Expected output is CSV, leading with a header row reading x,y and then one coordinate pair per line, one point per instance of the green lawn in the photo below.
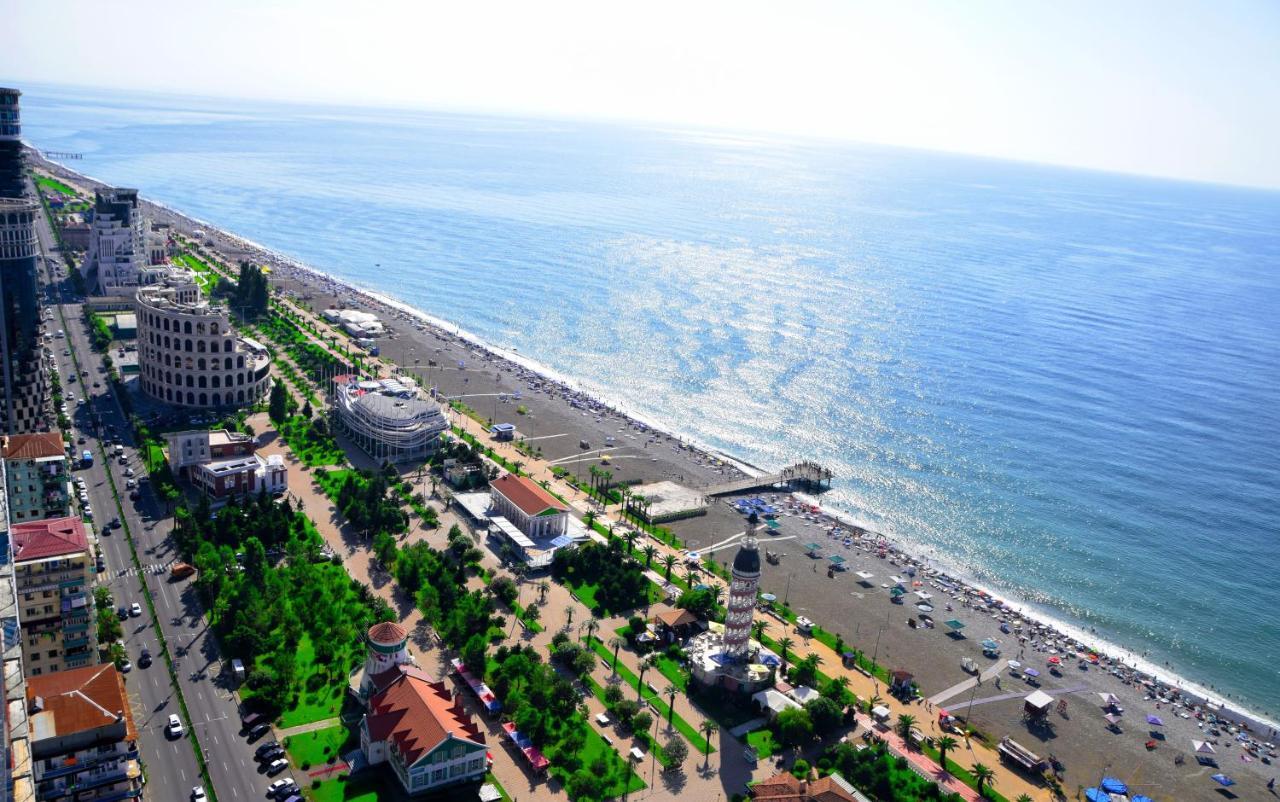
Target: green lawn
x,y
316,747
366,788
313,450
762,741
312,705
673,671
154,457
586,593
54,185
331,481
594,746
660,706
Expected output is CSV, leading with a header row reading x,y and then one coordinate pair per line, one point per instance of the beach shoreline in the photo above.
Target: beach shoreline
x,y
304,273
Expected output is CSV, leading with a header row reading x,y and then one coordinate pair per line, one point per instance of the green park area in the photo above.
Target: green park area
x,y
54,185
318,747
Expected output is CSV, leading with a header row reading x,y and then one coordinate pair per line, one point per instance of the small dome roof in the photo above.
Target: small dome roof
x,y
387,633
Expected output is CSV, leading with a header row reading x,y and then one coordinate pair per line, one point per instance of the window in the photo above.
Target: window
x,y
436,776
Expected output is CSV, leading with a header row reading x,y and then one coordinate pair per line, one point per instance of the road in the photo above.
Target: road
x,y
170,763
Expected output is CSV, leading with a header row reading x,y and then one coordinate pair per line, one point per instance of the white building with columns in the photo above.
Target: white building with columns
x,y
532,510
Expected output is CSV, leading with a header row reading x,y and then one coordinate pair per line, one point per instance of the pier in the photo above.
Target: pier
x,y
807,475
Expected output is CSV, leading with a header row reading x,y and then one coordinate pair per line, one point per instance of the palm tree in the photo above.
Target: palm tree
x,y
543,587
671,703
589,518
717,593
649,551
646,663
615,643
568,612
631,539
874,701
945,744
784,644
708,728
757,629
669,562
983,776
590,628
905,722
1023,798
691,575
842,683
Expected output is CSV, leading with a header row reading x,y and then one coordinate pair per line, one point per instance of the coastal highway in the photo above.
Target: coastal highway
x,y
170,764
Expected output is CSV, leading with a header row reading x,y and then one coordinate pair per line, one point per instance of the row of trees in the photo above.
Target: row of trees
x,y
619,582
367,503
251,293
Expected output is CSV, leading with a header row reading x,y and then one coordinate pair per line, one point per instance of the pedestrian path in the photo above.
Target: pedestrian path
x,y
315,725
942,697
152,568
745,727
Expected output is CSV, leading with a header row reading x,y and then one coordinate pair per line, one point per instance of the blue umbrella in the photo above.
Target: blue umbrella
x,y
990,644
1140,798
1095,795
1154,721
1113,786
1223,780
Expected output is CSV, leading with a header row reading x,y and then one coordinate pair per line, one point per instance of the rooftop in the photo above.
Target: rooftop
x,y
417,714
387,632
784,787
527,495
52,537
78,699
33,446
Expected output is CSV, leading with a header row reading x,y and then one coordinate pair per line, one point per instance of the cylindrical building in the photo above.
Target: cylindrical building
x,y
188,354
388,418
742,595
388,648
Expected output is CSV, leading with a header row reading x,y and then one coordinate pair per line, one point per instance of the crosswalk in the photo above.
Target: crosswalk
x,y
151,568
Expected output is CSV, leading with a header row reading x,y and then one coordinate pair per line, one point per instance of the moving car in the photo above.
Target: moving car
x,y
197,794
174,728
135,610
144,659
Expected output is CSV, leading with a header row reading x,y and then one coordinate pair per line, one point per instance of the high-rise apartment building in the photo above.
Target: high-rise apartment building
x,y
52,573
22,381
117,241
37,476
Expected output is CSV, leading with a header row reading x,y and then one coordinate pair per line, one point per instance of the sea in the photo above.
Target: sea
x,y
1063,383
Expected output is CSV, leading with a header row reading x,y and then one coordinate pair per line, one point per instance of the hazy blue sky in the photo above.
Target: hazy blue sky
x,y
1172,88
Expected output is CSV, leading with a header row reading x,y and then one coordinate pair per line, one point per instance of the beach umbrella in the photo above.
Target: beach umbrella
x,y
1031,672
1109,699
1112,718
769,597
1113,786
1154,721
1015,665
1203,748
1055,661
1096,795
955,625
1223,780
990,644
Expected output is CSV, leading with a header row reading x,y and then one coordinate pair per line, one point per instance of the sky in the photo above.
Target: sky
x,y
1176,89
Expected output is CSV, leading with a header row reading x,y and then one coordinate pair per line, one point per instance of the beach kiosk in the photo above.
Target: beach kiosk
x,y
1036,706
881,714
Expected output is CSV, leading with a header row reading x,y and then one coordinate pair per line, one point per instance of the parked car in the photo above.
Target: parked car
x,y
258,731
174,727
271,755
266,747
276,766
277,787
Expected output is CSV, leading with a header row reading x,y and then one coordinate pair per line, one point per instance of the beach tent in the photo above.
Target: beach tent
x,y
1113,786
922,596
864,577
895,592
1203,748
812,548
1112,719
1223,780
1096,795
1031,672
1055,660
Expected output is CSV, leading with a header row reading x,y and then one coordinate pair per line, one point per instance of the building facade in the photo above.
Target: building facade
x,y
199,446
188,354
533,510
24,386
52,565
415,727
82,736
36,476
241,476
117,244
388,418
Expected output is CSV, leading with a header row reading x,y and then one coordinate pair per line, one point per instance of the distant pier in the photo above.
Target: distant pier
x,y
808,475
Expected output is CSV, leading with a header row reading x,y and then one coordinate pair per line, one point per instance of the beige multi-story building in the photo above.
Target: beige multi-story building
x,y
36,476
53,581
188,354
83,741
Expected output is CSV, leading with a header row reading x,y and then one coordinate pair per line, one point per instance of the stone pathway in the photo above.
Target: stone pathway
x,y
315,725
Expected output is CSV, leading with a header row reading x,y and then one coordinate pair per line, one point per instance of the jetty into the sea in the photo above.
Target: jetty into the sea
x,y
806,475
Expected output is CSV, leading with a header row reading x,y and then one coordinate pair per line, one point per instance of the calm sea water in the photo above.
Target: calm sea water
x,y
1067,383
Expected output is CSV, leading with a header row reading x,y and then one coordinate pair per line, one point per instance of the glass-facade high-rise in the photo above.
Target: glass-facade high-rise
x,y
22,407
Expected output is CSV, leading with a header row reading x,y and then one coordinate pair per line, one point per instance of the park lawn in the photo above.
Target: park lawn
x,y
366,788
54,185
310,747
154,457
314,451
331,481
315,705
658,702
593,746
585,593
522,614
673,671
762,741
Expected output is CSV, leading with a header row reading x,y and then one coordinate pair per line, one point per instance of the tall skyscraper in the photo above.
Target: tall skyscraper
x,y
24,388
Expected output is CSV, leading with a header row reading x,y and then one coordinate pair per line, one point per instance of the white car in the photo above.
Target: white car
x,y
175,727
197,794
135,611
277,786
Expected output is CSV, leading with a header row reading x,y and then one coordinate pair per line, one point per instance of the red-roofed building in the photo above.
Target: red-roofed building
x,y
783,787
82,735
415,726
51,571
36,476
526,504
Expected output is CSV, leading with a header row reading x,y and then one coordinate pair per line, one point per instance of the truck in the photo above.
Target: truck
x,y
181,571
86,459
